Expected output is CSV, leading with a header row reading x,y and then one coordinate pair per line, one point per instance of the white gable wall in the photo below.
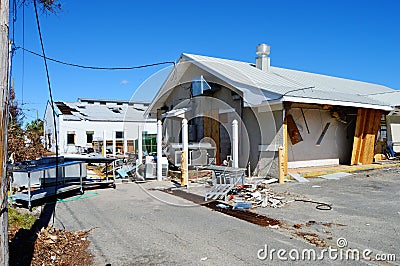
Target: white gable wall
x,y
81,127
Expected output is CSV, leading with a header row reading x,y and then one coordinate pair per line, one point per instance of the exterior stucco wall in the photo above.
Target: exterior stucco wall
x,y
266,135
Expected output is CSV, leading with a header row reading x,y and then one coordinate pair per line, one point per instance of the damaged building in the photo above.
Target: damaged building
x,y
316,119
91,124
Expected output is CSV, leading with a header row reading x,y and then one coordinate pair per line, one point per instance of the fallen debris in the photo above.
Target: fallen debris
x,y
299,178
270,181
312,238
297,226
242,206
258,195
50,246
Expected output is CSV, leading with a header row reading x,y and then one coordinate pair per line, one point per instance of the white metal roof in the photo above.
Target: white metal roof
x,y
390,97
286,82
80,111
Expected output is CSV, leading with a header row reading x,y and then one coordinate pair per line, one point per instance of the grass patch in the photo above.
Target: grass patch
x,y
20,220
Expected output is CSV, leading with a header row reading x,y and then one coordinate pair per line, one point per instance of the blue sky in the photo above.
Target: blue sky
x,y
351,39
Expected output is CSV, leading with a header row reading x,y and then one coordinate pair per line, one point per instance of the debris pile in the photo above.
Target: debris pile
x,y
50,246
61,247
259,195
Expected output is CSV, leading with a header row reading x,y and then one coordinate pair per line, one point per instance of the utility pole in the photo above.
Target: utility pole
x,y
4,93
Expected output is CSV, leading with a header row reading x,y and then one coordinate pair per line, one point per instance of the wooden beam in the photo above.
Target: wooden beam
x,y
285,146
357,143
4,86
370,136
367,125
281,165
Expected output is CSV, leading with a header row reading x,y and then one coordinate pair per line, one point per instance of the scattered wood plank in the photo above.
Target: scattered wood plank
x,y
299,178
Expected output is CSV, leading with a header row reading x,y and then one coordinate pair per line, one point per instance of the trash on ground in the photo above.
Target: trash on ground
x,y
299,178
269,181
222,206
242,206
258,195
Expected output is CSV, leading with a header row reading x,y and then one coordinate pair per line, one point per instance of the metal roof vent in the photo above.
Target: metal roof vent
x,y
263,61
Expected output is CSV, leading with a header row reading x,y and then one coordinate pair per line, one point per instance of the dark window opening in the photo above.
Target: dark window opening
x,y
89,136
119,134
71,138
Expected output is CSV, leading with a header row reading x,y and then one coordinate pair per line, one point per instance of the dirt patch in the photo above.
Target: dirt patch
x,y
326,224
297,226
312,238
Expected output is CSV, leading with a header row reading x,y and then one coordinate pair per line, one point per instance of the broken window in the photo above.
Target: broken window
x,y
71,138
89,136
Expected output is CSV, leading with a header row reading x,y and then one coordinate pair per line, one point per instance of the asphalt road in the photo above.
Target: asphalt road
x,y
136,226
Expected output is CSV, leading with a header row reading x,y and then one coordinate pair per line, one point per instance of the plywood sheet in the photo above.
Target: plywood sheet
x,y
367,125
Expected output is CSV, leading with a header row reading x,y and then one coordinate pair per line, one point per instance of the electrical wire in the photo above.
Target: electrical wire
x,y
51,98
23,54
286,93
322,206
95,67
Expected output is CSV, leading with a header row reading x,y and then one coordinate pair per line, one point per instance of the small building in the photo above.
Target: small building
x,y
317,119
392,130
91,124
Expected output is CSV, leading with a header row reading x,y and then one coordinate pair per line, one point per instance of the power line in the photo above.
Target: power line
x,y
95,67
51,97
23,53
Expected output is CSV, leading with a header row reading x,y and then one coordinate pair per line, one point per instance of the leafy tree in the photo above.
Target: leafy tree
x,y
35,126
23,144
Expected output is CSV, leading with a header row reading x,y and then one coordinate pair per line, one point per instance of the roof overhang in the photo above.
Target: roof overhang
x,y
333,102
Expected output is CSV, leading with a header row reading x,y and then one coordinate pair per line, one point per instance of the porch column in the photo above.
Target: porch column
x,y
114,143
184,156
159,150
140,149
125,141
235,144
104,144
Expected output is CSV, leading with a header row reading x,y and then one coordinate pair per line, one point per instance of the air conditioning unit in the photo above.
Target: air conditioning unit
x,y
151,171
164,166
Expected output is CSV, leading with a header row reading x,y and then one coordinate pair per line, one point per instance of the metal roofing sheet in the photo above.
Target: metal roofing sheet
x,y
392,97
115,113
289,82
